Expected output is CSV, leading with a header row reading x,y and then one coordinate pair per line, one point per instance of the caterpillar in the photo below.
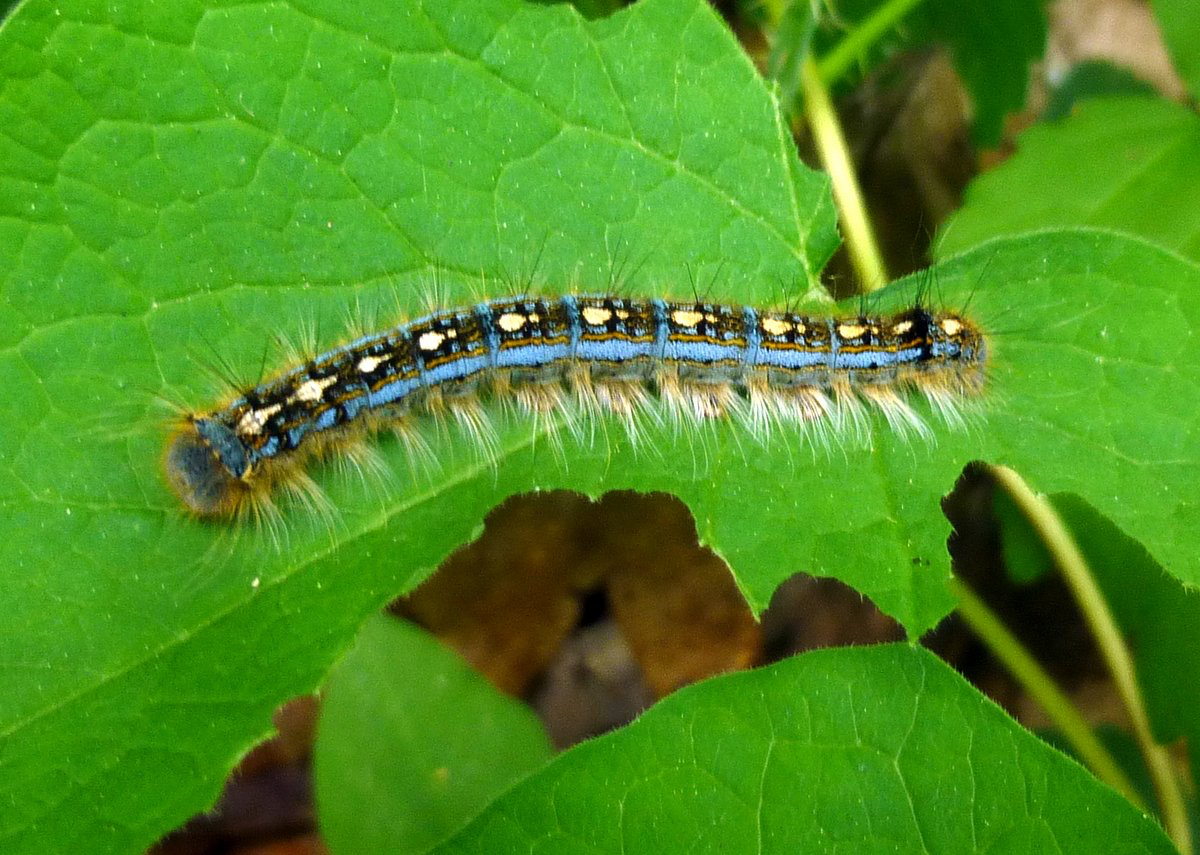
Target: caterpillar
x,y
583,354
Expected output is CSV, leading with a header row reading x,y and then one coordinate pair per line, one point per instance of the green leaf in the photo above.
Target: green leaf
x,y
181,182
881,749
413,743
1025,557
1127,164
992,47
790,46
1181,30
992,50
590,8
172,193
1159,618
1123,748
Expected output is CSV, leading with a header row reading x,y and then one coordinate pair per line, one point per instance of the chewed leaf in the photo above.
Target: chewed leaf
x,y
175,195
183,187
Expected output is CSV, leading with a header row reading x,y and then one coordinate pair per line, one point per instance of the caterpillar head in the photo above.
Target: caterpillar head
x,y
206,465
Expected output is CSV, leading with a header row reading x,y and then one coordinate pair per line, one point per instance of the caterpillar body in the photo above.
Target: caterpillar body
x,y
581,354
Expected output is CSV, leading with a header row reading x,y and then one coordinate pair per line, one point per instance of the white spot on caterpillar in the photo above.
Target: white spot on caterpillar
x,y
368,364
851,330
311,390
776,326
596,316
254,420
430,340
951,326
686,318
902,327
511,321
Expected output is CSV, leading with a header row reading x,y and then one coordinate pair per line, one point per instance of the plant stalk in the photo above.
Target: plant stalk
x,y
1042,688
859,40
835,157
1070,561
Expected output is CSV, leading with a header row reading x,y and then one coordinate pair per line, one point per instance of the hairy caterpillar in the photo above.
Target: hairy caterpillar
x,y
583,355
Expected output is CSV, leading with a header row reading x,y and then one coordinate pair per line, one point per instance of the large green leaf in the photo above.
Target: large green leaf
x,y
194,180
179,183
880,749
1122,163
413,743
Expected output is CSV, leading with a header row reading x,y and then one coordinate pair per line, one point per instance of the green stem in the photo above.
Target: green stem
x,y
835,157
1042,689
859,40
775,10
1071,563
